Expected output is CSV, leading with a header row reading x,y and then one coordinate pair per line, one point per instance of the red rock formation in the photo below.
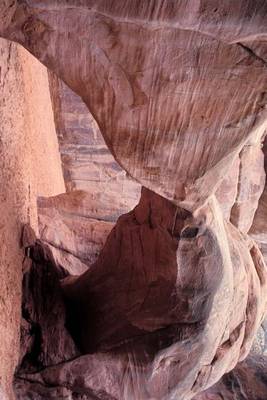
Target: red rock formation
x,y
246,381
174,301
250,186
76,226
44,339
87,162
29,166
240,191
178,90
258,229
176,278
149,74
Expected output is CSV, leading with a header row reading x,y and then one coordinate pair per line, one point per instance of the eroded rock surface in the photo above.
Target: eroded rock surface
x,y
246,381
178,90
44,338
76,226
29,166
149,73
87,162
150,301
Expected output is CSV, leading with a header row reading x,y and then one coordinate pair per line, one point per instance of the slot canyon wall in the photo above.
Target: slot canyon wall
x,y
164,301
29,167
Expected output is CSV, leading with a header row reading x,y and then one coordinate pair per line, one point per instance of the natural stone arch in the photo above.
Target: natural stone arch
x,y
129,80
154,104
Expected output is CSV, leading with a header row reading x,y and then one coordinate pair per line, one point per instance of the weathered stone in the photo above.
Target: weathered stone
x,y
240,191
250,186
87,162
26,390
76,226
44,338
227,191
258,230
259,345
246,382
177,294
177,278
151,91
29,166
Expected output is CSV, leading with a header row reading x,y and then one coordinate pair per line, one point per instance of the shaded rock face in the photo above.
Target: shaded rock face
x,y
175,297
87,162
246,381
145,310
44,339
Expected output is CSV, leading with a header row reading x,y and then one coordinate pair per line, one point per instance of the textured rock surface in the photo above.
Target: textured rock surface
x,y
250,186
159,334
44,339
258,229
165,309
239,193
87,162
246,382
178,90
148,73
76,226
29,166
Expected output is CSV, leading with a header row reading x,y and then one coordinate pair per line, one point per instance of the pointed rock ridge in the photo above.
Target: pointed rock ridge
x,y
177,88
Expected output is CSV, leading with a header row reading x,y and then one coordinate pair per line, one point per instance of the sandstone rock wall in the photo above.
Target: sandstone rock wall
x,y
88,164
151,90
29,166
248,381
178,90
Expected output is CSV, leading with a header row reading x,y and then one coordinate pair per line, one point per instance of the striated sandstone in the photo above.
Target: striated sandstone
x,y
246,381
154,103
87,162
146,305
178,91
29,166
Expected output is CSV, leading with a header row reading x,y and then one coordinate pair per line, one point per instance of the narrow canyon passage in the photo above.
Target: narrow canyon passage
x,y
129,297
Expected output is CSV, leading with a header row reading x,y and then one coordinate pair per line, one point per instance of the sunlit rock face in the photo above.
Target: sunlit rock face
x,y
164,80
174,298
258,229
29,166
240,191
